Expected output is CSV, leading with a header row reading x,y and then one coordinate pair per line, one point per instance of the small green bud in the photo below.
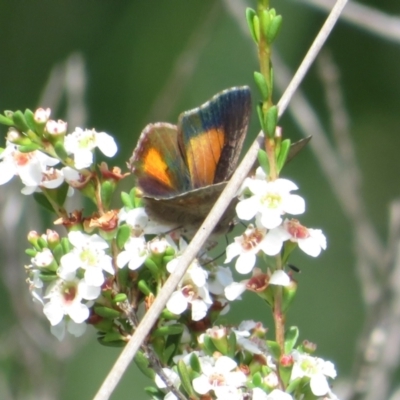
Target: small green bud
x,y
144,288
168,330
30,119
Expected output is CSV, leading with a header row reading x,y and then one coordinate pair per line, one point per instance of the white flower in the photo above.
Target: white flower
x,y
271,200
316,369
191,290
220,376
42,115
81,144
249,244
311,241
51,179
56,127
88,254
219,279
134,253
43,258
65,298
28,166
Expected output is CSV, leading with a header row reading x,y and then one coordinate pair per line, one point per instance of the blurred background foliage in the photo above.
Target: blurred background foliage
x,y
147,61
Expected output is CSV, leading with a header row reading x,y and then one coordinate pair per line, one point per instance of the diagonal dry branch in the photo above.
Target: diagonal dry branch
x,y
216,213
365,17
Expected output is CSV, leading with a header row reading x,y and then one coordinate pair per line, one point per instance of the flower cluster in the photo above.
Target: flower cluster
x,y
268,202
33,156
237,364
113,263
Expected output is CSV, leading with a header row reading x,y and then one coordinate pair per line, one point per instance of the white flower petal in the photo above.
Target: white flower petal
x,y
245,263
177,303
234,290
319,385
280,278
78,312
106,144
294,204
247,208
76,329
199,310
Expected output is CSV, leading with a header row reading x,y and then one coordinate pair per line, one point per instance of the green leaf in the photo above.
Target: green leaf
x,y
262,85
261,117
274,348
185,379
293,385
256,24
195,363
155,394
143,364
6,121
27,148
231,345
144,288
30,119
152,266
31,252
250,14
48,277
41,199
283,153
257,379
127,200
106,312
265,21
66,245
167,330
296,147
107,190
209,347
60,150
291,337
19,121
119,298
271,119
263,161
58,252
168,353
117,343
274,28
123,234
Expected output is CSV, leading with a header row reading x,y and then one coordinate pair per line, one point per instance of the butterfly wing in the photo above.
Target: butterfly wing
x,y
158,164
211,136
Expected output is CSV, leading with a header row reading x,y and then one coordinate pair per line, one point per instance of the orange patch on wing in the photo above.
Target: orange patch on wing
x,y
203,154
155,166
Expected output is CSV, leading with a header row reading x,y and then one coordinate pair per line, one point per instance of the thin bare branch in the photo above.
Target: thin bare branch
x,y
207,227
380,348
365,17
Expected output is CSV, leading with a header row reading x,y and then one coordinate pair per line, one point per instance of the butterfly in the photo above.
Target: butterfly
x,y
182,169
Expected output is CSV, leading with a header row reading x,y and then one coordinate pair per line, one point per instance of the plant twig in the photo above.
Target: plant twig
x,y
365,17
212,219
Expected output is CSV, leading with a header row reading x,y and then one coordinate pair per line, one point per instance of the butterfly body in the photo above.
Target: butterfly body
x,y
181,170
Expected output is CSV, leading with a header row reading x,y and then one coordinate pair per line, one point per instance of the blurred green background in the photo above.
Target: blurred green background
x,y
147,61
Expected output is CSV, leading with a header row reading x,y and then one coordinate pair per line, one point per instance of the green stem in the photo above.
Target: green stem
x,y
264,57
